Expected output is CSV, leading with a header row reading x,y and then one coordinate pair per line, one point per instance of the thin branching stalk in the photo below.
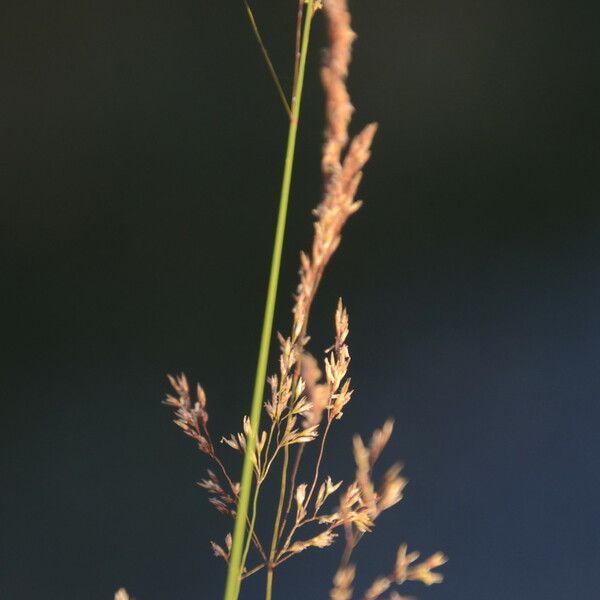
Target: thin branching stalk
x,y
293,476
250,523
274,540
268,60
298,40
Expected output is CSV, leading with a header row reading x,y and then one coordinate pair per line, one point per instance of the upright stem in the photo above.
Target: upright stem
x,y
234,572
319,459
269,588
250,534
293,476
273,552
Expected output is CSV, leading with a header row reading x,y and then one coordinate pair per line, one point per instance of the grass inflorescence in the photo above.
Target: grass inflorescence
x,y
307,395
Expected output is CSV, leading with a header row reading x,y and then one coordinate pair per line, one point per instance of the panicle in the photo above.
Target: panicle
x,y
342,175
303,393
334,72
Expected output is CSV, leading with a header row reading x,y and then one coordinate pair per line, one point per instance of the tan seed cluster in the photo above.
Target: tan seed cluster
x,y
342,584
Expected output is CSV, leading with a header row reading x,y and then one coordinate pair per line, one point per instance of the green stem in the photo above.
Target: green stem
x,y
273,552
250,533
269,588
235,561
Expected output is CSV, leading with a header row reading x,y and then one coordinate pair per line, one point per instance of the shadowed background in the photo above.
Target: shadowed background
x,y
141,153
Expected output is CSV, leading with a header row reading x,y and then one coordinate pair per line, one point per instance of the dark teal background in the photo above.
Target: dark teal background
x,y
140,158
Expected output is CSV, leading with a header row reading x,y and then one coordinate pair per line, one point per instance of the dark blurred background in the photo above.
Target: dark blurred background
x,y
140,160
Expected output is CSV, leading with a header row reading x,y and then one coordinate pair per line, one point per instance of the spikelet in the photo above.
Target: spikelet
x,y
300,497
379,440
301,436
327,488
322,540
281,385
342,583
363,477
191,418
377,588
396,596
391,488
221,500
404,571
317,393
220,552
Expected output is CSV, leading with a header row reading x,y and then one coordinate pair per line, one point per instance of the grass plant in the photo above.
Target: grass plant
x,y
307,395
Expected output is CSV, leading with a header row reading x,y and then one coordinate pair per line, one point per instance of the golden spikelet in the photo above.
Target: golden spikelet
x,y
342,583
377,588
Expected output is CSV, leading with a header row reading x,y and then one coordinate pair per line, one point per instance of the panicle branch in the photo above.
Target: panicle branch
x,y
192,418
